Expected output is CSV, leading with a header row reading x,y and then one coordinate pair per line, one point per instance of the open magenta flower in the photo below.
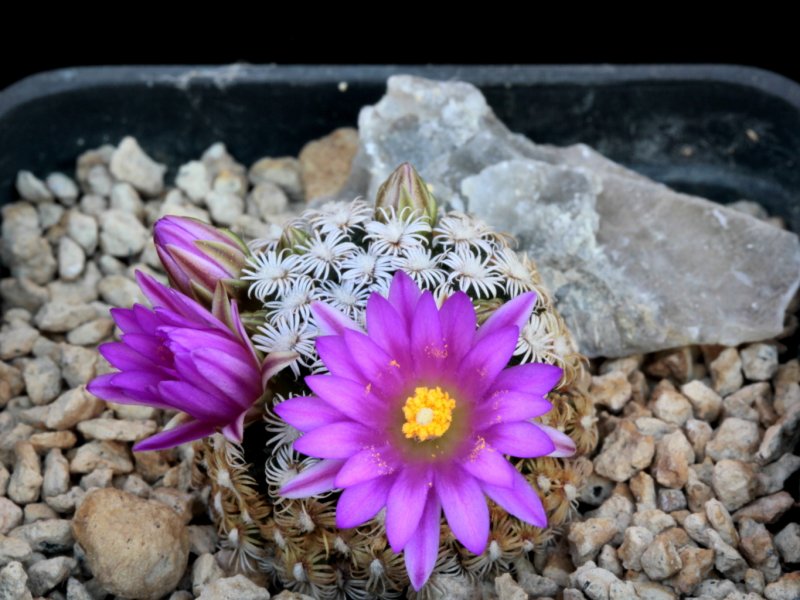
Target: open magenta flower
x,y
180,356
417,414
196,255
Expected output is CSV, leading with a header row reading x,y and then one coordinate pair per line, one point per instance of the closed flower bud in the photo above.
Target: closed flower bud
x,y
405,189
197,255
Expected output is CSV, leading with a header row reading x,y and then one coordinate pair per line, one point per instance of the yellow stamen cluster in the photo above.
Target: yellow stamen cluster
x,y
428,413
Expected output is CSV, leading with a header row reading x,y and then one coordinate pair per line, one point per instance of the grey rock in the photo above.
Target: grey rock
x,y
130,163
76,590
238,587
42,380
759,361
734,439
202,538
17,339
193,178
284,172
96,454
112,429
224,207
93,204
71,259
787,541
608,560
56,474
38,511
26,479
716,589
787,396
47,574
63,188
671,500
91,332
698,433
772,477
83,229
726,559
594,582
99,478
205,571
602,235
58,316
50,214
266,200
67,502
121,233
23,249
32,188
81,291
78,364
12,549
49,536
125,198
120,291
24,293
10,515
754,582
742,403
780,437
13,582
71,407
786,588
720,519
99,181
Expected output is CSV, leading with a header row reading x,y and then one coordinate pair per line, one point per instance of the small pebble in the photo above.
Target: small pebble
x,y
734,439
14,582
726,372
612,390
588,537
26,479
233,588
787,541
32,188
625,452
759,361
734,483
674,454
63,188
130,163
10,515
47,574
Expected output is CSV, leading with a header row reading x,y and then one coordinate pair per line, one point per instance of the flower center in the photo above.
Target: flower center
x,y
428,413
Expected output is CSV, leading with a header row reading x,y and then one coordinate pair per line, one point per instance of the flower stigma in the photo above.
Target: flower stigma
x,y
428,413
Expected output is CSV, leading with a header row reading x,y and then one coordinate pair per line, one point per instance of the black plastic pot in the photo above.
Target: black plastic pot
x,y
719,131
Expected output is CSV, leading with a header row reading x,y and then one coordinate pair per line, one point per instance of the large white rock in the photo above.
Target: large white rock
x,y
634,266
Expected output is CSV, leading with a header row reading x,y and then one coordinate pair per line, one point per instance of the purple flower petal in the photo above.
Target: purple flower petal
x,y
234,431
337,357
536,379
423,548
122,356
521,439
487,464
563,443
506,407
382,320
306,413
196,402
126,319
330,321
515,313
353,399
465,508
366,465
430,347
458,327
359,503
336,440
405,504
162,296
193,430
314,480
520,500
377,367
403,295
486,360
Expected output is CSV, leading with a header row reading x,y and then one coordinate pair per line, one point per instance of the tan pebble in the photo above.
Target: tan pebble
x,y
644,490
612,390
786,588
134,547
26,479
653,519
726,372
47,440
767,509
238,587
90,456
696,564
674,454
588,537
706,402
671,406
624,453
734,483
698,433
720,519
121,431
660,559
325,163
758,549
635,541
735,439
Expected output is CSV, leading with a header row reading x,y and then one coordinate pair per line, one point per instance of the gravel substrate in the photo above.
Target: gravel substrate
x,y
694,492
